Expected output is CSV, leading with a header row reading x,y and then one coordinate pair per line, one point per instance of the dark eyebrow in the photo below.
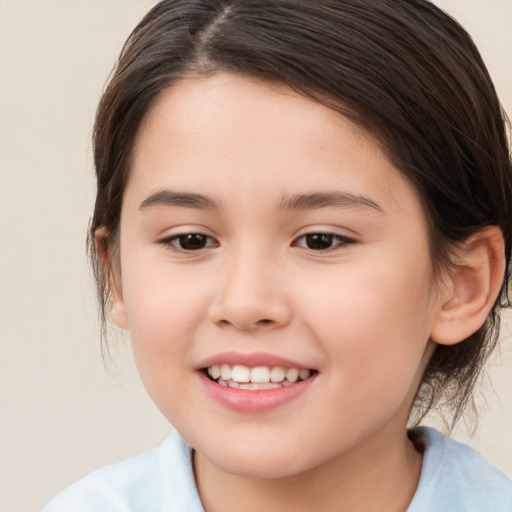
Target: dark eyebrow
x,y
167,197
327,199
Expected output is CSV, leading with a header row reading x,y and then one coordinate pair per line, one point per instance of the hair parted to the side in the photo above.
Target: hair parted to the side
x,y
401,69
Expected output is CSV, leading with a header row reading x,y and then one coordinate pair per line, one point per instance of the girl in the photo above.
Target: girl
x,y
303,218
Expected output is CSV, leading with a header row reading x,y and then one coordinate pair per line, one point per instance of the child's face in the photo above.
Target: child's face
x,y
355,306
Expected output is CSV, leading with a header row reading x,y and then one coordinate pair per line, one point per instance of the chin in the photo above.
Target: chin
x,y
263,469
256,461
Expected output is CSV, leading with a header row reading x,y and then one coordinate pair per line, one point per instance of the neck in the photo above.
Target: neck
x,y
381,475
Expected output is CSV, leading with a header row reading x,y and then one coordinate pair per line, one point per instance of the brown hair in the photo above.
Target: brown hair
x,y
402,69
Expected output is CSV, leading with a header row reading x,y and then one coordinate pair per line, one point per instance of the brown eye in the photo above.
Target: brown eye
x,y
192,241
319,241
189,242
323,241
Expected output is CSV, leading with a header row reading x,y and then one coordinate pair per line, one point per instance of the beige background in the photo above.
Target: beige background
x,y
61,413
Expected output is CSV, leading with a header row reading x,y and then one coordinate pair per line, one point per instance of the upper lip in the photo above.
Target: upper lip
x,y
250,359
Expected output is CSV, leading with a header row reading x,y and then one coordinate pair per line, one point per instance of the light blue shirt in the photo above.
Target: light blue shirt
x,y
454,478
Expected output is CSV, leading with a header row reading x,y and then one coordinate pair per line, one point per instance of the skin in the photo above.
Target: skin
x,y
360,313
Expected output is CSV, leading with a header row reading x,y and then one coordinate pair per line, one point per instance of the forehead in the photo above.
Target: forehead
x,y
234,136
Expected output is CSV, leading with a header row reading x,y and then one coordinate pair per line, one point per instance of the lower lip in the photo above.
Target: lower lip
x,y
253,401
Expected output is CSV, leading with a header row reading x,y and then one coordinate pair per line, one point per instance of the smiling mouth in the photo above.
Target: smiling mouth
x,y
257,377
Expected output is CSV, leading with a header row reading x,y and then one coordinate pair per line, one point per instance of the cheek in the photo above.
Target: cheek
x,y
373,324
161,301
163,320
163,312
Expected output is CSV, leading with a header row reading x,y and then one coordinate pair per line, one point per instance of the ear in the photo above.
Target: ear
x,y
472,287
110,264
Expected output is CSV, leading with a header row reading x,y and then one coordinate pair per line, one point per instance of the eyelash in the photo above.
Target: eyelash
x,y
168,242
333,237
325,237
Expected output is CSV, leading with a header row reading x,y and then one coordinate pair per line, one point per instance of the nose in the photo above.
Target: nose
x,y
249,296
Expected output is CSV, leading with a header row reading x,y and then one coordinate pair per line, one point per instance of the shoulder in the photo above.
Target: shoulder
x,y
159,479
457,478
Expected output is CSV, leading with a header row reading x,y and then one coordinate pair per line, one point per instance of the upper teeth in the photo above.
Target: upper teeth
x,y
257,374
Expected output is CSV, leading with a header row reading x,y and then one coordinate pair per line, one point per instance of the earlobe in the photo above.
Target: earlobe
x,y
471,288
119,313
112,274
